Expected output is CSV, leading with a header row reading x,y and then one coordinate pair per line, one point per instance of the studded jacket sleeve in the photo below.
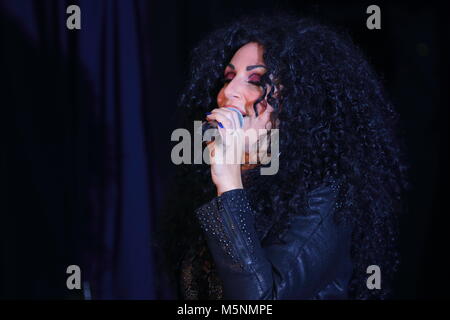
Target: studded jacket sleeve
x,y
301,263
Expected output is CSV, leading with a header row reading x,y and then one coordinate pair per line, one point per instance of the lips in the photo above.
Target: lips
x,y
232,106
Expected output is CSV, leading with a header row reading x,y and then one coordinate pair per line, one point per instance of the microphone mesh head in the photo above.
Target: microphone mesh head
x,y
241,117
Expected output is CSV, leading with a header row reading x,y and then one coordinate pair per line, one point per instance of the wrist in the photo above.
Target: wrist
x,y
224,187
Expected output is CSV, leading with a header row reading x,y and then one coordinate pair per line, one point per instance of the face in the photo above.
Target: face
x,y
241,90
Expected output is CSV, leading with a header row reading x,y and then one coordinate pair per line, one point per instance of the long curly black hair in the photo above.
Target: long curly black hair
x,y
335,120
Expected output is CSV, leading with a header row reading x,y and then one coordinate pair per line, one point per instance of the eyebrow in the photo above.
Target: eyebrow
x,y
248,67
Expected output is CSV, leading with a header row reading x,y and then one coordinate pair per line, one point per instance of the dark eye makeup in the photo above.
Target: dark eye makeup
x,y
254,78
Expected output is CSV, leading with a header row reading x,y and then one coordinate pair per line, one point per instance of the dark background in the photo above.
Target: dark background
x,y
86,117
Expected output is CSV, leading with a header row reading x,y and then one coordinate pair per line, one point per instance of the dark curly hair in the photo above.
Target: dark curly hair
x,y
335,121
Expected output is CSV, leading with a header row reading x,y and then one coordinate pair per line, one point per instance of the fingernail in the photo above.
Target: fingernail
x,y
220,125
208,113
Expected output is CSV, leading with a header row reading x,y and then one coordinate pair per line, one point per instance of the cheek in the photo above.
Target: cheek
x,y
220,97
250,100
254,95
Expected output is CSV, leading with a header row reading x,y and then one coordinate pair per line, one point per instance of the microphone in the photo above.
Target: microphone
x,y
206,125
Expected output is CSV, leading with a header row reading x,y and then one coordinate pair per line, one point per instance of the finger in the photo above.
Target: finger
x,y
232,115
223,123
237,116
226,134
211,148
224,119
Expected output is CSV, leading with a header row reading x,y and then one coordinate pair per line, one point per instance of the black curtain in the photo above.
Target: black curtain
x,y
82,156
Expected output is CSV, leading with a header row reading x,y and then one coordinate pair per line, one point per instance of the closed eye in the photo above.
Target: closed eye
x,y
255,78
227,77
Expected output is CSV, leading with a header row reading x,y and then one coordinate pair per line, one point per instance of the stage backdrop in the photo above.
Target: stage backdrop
x,y
82,147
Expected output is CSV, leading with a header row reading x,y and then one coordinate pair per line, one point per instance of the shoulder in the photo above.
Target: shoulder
x,y
314,217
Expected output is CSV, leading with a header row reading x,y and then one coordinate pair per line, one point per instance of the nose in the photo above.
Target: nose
x,y
233,90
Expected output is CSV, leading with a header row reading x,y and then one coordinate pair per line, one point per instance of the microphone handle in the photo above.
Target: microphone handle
x,y
213,124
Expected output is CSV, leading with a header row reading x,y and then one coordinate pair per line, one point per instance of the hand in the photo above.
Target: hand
x,y
226,153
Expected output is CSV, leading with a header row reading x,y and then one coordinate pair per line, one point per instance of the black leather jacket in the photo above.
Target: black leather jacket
x,y
311,260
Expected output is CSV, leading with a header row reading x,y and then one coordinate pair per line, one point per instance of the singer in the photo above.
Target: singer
x,y
311,230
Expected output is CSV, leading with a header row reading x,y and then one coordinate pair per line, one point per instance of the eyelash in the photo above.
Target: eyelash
x,y
255,83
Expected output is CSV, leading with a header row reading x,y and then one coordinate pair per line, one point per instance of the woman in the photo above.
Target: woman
x,y
311,230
